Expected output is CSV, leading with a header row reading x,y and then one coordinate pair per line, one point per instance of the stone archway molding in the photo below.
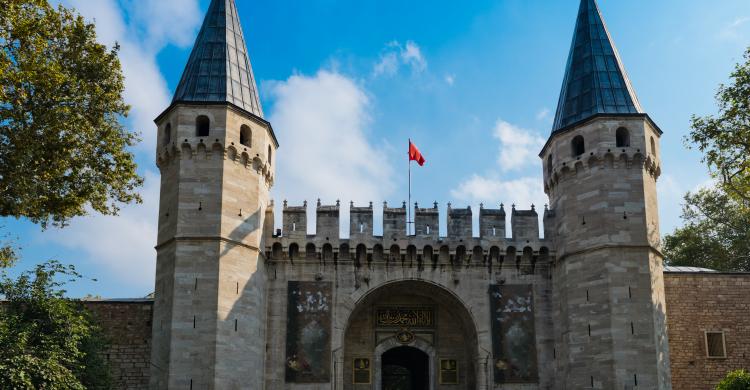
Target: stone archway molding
x,y
390,343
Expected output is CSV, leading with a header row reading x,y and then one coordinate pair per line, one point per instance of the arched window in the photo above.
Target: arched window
x,y
460,254
395,254
361,256
277,253
202,124
327,252
653,146
344,251
577,146
622,137
293,251
246,136
377,252
167,134
269,154
310,253
477,255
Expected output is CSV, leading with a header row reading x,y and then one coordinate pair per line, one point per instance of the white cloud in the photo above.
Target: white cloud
x,y
149,19
450,79
523,191
518,147
327,155
123,245
396,55
141,36
387,66
543,114
411,55
735,29
490,190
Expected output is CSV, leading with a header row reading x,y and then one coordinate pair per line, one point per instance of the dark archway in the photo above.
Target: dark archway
x,y
453,333
405,368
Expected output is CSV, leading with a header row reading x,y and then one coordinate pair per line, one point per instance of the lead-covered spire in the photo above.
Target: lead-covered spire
x,y
595,79
219,70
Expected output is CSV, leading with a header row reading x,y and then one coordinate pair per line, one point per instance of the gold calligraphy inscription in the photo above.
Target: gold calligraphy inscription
x,y
409,317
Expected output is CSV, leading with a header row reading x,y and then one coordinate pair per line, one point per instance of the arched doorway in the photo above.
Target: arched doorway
x,y
405,368
398,327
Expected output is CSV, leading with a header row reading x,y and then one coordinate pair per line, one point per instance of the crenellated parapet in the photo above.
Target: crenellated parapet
x,y
423,247
200,150
615,144
608,159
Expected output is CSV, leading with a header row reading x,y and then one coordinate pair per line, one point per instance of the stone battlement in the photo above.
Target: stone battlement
x,y
424,244
250,159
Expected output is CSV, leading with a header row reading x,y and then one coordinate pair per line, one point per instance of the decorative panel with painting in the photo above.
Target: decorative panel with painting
x,y
308,332
513,335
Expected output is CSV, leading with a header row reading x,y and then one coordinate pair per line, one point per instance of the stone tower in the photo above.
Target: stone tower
x,y
216,157
601,164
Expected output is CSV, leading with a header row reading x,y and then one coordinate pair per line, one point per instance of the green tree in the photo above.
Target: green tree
x,y
63,150
716,233
46,340
724,139
735,380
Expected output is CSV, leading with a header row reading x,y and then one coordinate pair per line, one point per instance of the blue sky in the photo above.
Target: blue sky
x,y
345,84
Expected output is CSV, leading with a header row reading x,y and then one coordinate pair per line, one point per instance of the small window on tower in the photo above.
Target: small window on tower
x,y
577,146
716,345
622,137
246,136
202,125
269,154
549,164
653,146
167,134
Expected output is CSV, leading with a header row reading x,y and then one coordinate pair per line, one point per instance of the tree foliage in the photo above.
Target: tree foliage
x,y
63,150
47,341
724,139
716,233
735,380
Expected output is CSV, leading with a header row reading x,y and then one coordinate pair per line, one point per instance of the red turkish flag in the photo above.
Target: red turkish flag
x,y
415,155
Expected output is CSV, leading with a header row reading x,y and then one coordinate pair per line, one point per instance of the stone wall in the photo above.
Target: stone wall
x,y
128,327
699,302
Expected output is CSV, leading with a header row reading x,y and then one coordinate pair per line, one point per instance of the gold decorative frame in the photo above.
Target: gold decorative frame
x,y
448,366
365,365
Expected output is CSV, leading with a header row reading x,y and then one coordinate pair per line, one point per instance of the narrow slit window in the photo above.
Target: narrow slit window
x,y
167,134
577,146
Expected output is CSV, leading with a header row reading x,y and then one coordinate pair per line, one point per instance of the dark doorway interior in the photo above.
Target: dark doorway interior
x,y
406,368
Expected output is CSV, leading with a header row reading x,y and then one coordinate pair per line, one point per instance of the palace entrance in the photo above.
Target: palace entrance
x,y
410,335
405,368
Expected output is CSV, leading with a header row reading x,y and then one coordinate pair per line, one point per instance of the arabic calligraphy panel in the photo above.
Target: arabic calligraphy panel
x,y
405,317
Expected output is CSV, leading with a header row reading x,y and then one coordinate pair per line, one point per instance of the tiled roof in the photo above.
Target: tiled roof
x,y
218,70
595,80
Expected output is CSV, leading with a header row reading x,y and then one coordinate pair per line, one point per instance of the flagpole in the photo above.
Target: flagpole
x,y
408,205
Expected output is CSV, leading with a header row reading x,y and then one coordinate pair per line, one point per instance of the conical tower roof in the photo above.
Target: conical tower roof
x,y
219,70
595,79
